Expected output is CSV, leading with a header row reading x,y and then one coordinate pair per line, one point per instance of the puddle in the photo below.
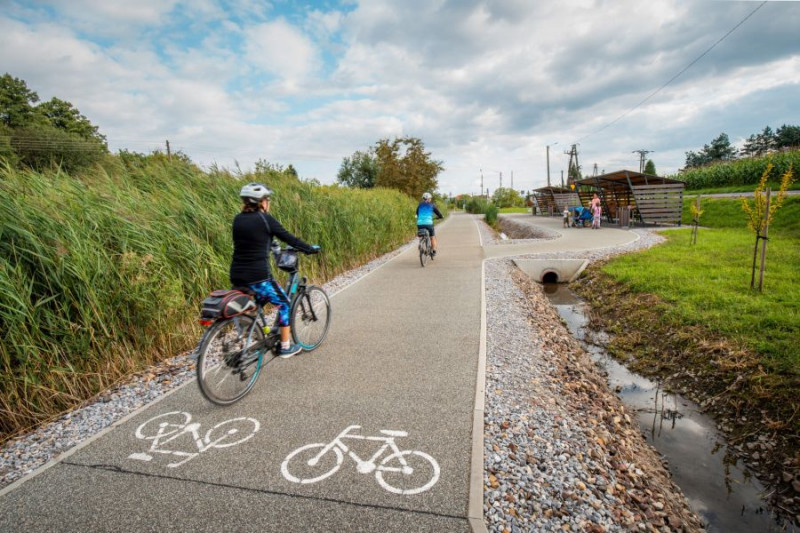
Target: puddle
x,y
718,488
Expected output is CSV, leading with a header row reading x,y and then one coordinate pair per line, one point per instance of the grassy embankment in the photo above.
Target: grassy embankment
x,y
688,312
101,274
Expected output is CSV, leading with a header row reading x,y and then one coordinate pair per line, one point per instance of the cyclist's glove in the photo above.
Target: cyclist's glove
x,y
315,249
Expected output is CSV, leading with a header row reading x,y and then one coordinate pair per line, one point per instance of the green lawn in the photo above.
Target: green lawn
x,y
709,284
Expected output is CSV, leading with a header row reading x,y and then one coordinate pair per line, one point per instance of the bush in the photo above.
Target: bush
x,y
491,214
44,147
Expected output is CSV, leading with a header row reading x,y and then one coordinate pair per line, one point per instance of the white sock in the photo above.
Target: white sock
x,y
285,345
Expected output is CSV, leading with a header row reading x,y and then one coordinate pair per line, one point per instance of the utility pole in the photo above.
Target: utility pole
x,y
573,175
641,158
548,162
169,154
562,179
481,183
512,179
501,180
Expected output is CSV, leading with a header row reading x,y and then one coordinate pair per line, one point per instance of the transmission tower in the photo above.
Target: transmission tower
x,y
574,169
594,170
641,157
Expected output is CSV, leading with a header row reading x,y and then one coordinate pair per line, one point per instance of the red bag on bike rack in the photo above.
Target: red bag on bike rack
x,y
226,303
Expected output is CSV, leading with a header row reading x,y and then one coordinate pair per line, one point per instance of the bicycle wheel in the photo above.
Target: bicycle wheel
x,y
408,472
232,432
424,244
310,317
227,367
164,425
305,470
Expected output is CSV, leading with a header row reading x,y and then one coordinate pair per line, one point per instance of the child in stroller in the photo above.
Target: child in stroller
x,y
581,217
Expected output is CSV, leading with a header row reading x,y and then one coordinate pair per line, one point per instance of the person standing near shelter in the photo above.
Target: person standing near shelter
x,y
566,216
595,202
596,214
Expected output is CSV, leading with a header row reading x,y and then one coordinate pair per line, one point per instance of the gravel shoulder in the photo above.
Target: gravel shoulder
x,y
561,452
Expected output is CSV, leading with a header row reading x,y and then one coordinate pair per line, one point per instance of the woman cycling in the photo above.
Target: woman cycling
x,y
253,231
425,211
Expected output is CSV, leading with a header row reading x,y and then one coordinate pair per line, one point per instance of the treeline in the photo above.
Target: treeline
x,y
41,135
721,149
102,272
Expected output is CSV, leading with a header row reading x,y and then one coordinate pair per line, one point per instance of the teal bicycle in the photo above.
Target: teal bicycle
x,y
233,351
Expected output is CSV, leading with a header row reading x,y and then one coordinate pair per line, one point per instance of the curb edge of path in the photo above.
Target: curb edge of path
x,y
475,507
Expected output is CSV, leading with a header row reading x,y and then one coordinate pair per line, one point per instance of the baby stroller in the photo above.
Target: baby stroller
x,y
581,217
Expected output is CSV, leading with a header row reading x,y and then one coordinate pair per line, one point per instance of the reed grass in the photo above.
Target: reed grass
x,y
101,274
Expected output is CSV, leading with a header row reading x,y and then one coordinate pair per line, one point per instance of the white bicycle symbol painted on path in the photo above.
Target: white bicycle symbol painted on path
x,y
167,428
402,472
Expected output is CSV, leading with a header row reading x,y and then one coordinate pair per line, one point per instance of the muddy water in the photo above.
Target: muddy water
x,y
717,487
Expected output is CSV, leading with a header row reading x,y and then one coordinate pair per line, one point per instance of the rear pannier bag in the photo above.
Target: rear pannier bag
x,y
226,303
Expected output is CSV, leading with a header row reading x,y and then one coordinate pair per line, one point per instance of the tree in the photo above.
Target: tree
x,y
504,197
406,166
359,170
16,102
64,116
720,149
761,213
787,136
650,168
759,144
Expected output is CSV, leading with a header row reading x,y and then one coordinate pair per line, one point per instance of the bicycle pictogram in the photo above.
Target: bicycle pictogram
x,y
163,432
403,472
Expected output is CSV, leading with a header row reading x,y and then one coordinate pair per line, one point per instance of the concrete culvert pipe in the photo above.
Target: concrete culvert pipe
x,y
550,277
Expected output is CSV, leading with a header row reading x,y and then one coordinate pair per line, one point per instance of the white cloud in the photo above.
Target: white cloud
x,y
280,49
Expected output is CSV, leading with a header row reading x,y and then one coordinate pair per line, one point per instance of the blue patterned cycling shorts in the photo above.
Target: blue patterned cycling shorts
x,y
270,292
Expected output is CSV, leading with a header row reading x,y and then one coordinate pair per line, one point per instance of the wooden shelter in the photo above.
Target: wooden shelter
x,y
626,195
552,200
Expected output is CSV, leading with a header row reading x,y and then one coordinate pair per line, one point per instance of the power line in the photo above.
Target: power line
x,y
673,78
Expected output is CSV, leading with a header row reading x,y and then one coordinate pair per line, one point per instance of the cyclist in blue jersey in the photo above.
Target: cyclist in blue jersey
x,y
425,212
253,231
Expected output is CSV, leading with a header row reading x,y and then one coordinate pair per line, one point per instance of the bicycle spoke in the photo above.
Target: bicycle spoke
x,y
226,358
310,317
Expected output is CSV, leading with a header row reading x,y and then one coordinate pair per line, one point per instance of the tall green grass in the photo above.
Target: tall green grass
x,y
101,274
740,172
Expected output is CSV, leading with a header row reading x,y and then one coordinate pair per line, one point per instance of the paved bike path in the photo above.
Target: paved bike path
x,y
402,355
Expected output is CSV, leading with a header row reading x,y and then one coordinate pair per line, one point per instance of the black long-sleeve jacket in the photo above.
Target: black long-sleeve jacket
x,y
252,237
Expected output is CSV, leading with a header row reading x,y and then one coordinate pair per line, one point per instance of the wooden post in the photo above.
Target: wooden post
x,y
169,154
764,244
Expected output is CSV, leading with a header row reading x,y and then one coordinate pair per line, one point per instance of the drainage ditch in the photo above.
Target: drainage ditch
x,y
718,488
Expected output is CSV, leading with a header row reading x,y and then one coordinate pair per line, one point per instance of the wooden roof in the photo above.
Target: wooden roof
x,y
624,179
556,190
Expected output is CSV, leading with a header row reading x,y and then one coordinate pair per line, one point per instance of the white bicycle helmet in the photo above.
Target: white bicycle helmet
x,y
252,193
426,196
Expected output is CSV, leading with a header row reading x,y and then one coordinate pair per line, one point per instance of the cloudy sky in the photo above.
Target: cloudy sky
x,y
487,85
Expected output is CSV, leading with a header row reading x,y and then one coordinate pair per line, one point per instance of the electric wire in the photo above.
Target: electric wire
x,y
673,78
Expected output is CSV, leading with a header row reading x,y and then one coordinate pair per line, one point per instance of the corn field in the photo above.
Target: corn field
x,y
102,274
738,172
